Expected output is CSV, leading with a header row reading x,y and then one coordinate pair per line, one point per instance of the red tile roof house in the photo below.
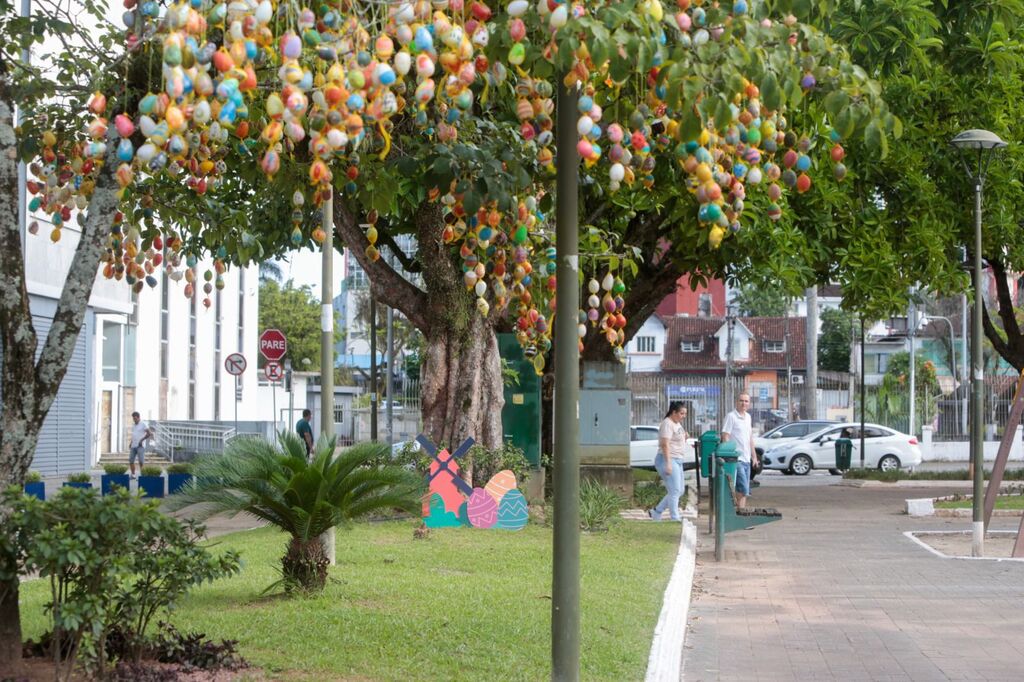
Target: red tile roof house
x,y
763,349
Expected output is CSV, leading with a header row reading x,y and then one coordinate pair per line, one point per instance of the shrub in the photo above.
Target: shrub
x,y
179,468
112,563
115,469
33,477
301,497
647,494
599,505
80,477
195,650
487,462
151,470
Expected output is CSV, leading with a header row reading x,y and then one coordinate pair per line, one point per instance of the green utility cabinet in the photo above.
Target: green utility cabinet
x,y
708,444
844,453
521,415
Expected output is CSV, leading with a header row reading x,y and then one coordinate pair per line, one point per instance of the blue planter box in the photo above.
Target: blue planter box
x,y
151,486
75,484
107,481
176,481
37,489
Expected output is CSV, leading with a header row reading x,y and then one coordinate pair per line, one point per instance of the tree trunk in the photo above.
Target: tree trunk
x,y
29,386
462,391
461,382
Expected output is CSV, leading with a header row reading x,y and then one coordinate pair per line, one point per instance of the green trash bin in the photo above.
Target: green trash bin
x,y
844,453
727,451
708,445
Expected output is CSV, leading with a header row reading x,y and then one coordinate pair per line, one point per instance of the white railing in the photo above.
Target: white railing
x,y
190,438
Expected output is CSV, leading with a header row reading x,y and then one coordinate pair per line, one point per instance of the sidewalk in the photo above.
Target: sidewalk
x,y
834,591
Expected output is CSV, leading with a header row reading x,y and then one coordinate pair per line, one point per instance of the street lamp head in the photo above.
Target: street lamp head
x,y
977,139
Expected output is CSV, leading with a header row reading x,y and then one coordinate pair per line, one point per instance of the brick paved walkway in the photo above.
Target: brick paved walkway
x,y
834,591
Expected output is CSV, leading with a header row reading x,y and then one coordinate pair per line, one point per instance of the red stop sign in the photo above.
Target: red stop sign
x,y
273,345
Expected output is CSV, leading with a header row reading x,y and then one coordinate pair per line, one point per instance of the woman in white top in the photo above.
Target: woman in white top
x,y
669,462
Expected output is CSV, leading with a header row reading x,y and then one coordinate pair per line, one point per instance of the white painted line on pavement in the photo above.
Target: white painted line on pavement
x,y
665,661
912,534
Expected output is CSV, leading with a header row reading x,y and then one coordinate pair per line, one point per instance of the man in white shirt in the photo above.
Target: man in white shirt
x,y
140,434
737,427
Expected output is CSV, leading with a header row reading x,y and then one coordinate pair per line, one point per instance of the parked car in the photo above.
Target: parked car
x,y
884,448
643,447
787,432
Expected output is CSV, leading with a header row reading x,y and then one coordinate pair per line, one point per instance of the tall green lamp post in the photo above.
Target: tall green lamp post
x,y
977,148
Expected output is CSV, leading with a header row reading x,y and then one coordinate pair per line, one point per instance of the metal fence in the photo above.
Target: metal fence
x,y
407,419
709,398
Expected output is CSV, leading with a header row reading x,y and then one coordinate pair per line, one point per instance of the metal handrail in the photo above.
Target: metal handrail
x,y
174,437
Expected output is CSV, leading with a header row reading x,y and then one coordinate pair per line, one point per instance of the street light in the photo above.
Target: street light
x,y
976,150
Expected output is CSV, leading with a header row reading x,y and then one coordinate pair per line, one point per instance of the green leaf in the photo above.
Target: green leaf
x,y
835,102
875,140
771,94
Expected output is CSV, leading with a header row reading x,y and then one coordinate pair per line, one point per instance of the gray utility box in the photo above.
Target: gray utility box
x,y
604,415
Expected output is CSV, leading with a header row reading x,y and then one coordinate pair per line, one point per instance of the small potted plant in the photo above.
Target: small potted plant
x,y
114,475
34,485
81,479
177,476
151,481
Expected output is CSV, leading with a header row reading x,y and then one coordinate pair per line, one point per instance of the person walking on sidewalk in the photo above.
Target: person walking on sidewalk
x,y
737,427
140,434
669,461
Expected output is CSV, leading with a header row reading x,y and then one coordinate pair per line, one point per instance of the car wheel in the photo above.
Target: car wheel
x,y
787,472
889,463
801,465
836,472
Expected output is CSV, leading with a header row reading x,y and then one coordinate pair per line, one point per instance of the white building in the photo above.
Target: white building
x,y
70,434
180,348
646,350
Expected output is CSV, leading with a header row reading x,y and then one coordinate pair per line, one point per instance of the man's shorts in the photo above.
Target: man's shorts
x,y
138,451
743,478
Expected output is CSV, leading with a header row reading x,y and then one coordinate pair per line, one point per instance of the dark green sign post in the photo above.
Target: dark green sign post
x,y
521,415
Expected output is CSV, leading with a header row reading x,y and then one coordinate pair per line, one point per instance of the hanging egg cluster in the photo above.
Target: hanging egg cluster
x,y
321,88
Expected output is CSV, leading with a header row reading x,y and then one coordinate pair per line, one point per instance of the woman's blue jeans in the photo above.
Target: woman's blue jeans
x,y
673,483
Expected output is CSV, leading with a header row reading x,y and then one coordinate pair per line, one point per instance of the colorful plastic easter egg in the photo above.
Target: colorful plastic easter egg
x,y
481,510
501,483
513,513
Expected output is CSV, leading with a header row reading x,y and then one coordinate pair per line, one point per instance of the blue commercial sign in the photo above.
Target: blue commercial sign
x,y
692,392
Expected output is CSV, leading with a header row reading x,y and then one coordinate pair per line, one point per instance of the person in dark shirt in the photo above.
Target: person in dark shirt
x,y
305,431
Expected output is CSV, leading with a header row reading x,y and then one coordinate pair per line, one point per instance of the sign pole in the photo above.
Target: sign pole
x,y
273,393
236,404
327,343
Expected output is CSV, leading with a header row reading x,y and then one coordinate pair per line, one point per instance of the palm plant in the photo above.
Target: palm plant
x,y
304,498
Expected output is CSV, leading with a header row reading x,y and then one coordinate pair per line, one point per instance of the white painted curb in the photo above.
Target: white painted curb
x,y
666,659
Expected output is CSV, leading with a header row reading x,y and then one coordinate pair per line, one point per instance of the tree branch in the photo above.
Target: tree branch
x,y
389,287
1005,302
408,264
67,321
997,341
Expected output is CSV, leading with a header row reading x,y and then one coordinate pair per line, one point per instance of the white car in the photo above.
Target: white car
x,y
643,448
885,449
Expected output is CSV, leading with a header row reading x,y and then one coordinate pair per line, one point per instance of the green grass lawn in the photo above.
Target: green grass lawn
x,y
1002,502
463,604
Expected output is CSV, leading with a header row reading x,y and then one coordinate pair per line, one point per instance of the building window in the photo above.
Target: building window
x,y
192,324
339,413
111,351
774,346
216,355
357,279
165,325
691,346
645,344
876,363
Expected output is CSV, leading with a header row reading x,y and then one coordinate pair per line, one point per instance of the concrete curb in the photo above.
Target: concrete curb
x,y
666,658
863,483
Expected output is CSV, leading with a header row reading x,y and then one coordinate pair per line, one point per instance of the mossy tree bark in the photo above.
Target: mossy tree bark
x,y
29,385
462,391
